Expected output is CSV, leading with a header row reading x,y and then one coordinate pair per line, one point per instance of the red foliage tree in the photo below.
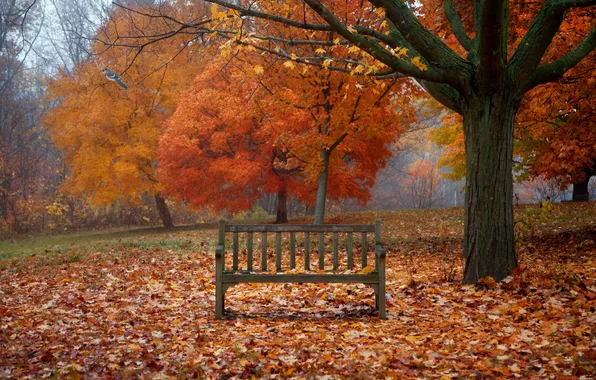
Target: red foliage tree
x,y
242,130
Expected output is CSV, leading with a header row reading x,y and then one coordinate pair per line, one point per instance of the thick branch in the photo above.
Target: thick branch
x,y
444,94
533,45
555,70
432,74
456,25
426,44
492,42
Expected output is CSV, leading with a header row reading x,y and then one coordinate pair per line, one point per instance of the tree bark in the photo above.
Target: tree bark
x,y
489,242
164,212
581,192
322,188
282,210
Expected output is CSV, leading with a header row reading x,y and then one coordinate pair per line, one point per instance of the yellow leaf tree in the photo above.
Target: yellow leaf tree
x,y
109,131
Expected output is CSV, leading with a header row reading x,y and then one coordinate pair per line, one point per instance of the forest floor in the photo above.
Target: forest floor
x,y
140,304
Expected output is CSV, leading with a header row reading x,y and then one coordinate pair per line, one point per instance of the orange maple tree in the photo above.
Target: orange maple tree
x,y
109,134
250,125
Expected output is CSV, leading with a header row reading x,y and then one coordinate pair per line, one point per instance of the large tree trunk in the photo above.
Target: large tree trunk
x,y
489,243
282,210
164,212
322,188
580,190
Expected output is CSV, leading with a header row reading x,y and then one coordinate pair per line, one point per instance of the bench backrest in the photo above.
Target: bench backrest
x,y
292,229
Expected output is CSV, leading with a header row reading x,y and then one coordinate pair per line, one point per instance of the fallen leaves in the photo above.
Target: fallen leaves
x,y
148,312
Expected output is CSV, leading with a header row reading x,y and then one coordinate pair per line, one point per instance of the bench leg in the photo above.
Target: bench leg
x,y
219,301
381,303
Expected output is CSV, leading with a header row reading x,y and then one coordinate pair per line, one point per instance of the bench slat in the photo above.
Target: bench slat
x,y
321,250
300,228
349,249
307,250
235,250
335,251
292,250
264,251
249,251
364,250
278,251
370,278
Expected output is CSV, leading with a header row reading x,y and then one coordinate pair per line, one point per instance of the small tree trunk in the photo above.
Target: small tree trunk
x,y
581,192
164,212
322,189
282,211
489,243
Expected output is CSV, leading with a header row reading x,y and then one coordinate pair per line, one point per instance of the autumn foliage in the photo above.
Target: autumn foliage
x,y
123,309
251,125
109,135
555,125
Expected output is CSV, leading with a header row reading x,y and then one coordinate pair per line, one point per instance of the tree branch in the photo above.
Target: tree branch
x,y
444,94
298,24
533,45
429,46
492,41
434,74
556,69
456,25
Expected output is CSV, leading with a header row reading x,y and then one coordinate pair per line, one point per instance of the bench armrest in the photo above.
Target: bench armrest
x,y
219,251
380,251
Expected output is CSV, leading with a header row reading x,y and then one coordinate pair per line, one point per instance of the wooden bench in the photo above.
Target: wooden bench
x,y
226,278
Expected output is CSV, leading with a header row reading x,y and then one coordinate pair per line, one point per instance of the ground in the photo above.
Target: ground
x,y
130,304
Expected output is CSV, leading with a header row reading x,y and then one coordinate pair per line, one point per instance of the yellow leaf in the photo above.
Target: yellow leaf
x,y
366,269
289,64
384,24
337,41
293,56
134,347
401,52
358,69
320,51
259,69
418,64
216,15
77,367
380,12
327,62
243,362
353,49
